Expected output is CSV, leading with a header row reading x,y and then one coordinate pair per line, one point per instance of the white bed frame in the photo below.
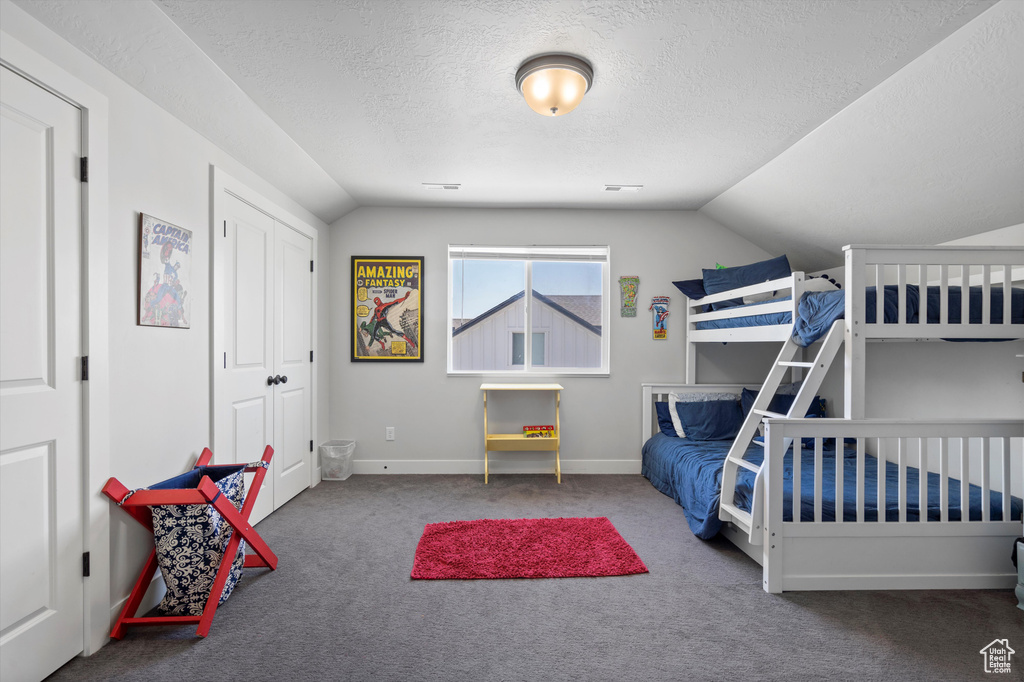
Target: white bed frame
x,y
862,555
875,555
942,266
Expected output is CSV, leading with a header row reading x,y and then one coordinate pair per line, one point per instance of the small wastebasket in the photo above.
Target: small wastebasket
x,y
336,459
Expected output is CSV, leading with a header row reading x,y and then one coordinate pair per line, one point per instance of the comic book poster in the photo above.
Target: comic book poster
x,y
387,308
165,273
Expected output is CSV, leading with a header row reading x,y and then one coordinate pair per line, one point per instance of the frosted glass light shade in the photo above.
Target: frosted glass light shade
x,y
554,84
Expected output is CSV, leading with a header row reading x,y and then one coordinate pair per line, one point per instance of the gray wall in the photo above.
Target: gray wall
x,y
439,418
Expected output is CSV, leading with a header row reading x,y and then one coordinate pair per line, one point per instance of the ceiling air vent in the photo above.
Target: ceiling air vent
x,y
442,185
623,188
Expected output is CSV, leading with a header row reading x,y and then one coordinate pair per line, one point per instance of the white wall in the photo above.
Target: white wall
x,y
439,418
159,378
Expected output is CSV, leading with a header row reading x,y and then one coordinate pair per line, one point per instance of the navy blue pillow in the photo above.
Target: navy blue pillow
x,y
782,403
694,288
717,281
665,420
711,419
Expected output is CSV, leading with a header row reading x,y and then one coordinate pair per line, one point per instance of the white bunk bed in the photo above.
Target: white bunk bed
x,y
855,553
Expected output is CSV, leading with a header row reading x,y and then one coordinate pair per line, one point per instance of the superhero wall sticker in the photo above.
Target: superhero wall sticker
x,y
387,308
659,309
165,273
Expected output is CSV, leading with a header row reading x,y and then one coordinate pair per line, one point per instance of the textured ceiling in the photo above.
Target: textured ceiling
x,y
689,99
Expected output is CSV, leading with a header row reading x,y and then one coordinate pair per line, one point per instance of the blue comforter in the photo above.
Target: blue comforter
x,y
817,310
690,472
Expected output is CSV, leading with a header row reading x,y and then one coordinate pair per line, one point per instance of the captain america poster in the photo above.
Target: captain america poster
x,y
165,274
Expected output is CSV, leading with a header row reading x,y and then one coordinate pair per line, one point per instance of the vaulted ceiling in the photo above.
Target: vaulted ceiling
x,y
800,124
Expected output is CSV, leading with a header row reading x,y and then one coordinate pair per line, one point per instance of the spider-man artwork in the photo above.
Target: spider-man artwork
x,y
387,309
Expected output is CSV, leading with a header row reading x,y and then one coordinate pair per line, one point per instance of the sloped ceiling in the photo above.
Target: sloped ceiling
x,y
802,124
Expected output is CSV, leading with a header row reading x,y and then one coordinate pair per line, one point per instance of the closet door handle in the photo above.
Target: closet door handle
x,y
273,381
284,379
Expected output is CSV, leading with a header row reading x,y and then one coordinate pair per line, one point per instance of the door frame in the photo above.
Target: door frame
x,y
26,62
221,183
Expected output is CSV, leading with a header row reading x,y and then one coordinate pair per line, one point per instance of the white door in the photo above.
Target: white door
x,y
245,411
266,365
293,452
41,584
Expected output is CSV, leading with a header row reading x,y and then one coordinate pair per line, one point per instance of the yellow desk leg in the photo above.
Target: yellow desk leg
x,y
485,437
558,432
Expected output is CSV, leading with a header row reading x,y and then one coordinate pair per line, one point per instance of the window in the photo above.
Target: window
x,y
558,297
519,348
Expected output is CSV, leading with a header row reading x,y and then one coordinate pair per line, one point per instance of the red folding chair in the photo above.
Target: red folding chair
x,y
137,504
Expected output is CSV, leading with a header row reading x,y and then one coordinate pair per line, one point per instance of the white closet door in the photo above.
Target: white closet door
x,y
292,305
41,584
245,413
266,369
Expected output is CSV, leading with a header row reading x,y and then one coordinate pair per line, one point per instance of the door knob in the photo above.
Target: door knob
x,y
273,381
284,379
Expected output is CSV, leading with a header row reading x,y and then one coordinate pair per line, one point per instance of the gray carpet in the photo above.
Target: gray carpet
x,y
341,605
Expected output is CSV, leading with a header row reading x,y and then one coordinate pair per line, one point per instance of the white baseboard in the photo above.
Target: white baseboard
x,y
497,465
154,593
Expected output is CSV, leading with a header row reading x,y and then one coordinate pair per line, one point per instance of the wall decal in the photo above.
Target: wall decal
x,y
659,305
628,288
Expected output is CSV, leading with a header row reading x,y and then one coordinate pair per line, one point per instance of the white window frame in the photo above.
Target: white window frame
x,y
531,254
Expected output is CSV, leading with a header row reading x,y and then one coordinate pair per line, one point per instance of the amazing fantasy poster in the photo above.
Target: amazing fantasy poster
x,y
387,308
165,273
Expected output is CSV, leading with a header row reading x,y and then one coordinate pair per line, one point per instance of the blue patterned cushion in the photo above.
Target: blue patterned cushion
x,y
191,539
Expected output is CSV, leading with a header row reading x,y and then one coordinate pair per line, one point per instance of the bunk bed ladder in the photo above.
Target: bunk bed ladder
x,y
750,522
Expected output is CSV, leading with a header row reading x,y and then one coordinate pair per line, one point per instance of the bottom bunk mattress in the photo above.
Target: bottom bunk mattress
x,y
690,472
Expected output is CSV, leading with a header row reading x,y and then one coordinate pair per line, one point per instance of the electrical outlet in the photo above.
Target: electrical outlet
x,y
389,433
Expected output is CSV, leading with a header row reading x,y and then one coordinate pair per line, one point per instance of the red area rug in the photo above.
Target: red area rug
x,y
523,548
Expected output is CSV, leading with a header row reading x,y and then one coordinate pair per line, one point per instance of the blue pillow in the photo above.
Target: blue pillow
x,y
782,403
694,289
711,419
717,281
665,420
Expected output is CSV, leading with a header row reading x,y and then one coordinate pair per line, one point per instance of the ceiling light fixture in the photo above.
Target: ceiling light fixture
x,y
554,84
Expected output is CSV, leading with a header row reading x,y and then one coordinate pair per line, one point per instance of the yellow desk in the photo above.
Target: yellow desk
x,y
516,442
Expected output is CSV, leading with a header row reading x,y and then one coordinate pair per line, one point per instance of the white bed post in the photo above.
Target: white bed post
x,y
647,410
772,476
855,346
691,348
